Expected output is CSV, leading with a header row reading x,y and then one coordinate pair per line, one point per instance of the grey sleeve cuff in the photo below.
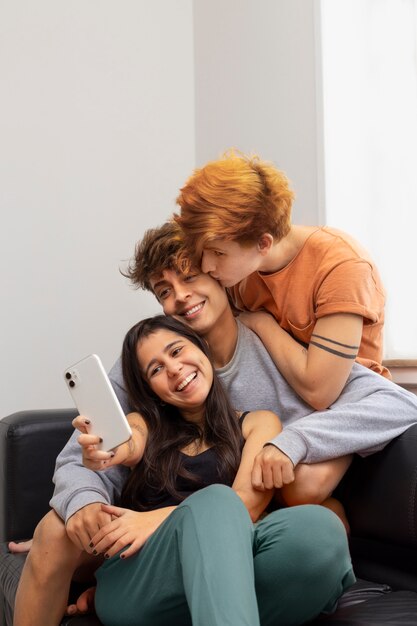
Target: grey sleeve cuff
x,y
292,444
82,499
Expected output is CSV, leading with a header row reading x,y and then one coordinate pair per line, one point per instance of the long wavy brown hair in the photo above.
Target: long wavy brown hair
x,y
168,431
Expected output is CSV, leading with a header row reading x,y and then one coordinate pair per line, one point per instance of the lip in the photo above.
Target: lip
x,y
190,316
190,385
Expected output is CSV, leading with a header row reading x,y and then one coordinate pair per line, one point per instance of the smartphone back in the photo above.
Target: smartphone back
x,y
96,400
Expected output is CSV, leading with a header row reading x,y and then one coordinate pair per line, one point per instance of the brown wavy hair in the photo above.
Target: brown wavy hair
x,y
160,249
236,198
168,431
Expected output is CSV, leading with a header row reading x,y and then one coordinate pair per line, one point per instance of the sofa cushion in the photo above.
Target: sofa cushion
x,y
398,608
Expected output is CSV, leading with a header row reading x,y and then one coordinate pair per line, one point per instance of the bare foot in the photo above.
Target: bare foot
x,y
84,604
20,547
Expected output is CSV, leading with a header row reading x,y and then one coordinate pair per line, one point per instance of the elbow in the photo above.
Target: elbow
x,y
319,399
321,392
321,404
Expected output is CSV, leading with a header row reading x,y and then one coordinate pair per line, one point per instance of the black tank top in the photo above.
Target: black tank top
x,y
203,466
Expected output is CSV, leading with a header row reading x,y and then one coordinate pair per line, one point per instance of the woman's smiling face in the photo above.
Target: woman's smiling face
x,y
177,371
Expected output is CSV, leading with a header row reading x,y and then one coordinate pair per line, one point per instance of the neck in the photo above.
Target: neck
x,y
283,252
222,338
197,415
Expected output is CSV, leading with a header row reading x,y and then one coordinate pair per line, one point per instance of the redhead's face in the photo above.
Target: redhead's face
x,y
196,298
229,262
177,371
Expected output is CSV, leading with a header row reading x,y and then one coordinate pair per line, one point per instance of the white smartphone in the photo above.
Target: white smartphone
x,y
96,400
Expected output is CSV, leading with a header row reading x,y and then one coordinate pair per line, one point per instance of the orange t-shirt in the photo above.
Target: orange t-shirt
x,y
331,273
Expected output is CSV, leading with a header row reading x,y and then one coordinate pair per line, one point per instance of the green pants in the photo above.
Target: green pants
x,y
208,565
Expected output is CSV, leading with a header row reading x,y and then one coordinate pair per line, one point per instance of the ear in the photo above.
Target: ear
x,y
265,243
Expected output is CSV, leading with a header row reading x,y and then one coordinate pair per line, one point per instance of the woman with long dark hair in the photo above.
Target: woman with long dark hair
x,y
210,562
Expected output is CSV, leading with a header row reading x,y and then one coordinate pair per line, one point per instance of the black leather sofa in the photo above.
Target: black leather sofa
x,y
379,494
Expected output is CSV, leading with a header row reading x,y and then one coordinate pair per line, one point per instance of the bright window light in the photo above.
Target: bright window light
x,y
369,74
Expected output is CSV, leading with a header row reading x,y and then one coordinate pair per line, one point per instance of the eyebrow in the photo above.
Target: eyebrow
x,y
180,274
160,283
165,350
213,246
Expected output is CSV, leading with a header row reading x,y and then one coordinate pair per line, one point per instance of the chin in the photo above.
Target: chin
x,y
229,283
198,326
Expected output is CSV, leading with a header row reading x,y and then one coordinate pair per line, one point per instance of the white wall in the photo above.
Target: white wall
x,y
105,108
96,135
257,89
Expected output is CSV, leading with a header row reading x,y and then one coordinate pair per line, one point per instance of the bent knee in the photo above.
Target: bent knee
x,y
216,499
298,494
331,548
50,529
318,531
51,550
214,494
51,541
312,485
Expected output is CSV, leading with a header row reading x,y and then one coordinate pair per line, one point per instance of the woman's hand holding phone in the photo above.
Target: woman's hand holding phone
x,y
94,458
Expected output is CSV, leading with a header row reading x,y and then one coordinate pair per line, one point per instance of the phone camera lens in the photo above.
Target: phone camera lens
x,y
71,383
68,375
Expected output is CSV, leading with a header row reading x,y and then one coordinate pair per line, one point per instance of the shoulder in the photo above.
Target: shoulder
x,y
337,245
115,374
247,338
259,419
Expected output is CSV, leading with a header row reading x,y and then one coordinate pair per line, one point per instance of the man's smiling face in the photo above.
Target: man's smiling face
x,y
195,298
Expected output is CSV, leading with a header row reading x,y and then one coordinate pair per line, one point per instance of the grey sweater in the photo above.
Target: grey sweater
x,y
369,413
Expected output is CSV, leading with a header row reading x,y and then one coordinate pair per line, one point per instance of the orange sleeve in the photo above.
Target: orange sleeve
x,y
352,286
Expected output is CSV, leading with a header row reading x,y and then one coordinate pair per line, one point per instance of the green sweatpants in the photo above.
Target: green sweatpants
x,y
208,565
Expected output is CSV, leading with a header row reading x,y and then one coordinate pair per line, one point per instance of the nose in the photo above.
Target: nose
x,y
173,367
182,292
207,262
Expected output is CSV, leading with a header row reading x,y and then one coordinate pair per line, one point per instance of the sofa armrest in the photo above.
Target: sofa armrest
x,y
29,444
380,493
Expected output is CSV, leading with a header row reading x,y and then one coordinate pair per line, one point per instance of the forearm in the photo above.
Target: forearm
x,y
317,373
76,486
255,501
257,428
289,356
359,422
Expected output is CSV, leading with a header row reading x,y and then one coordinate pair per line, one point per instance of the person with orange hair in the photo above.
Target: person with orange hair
x,y
318,283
